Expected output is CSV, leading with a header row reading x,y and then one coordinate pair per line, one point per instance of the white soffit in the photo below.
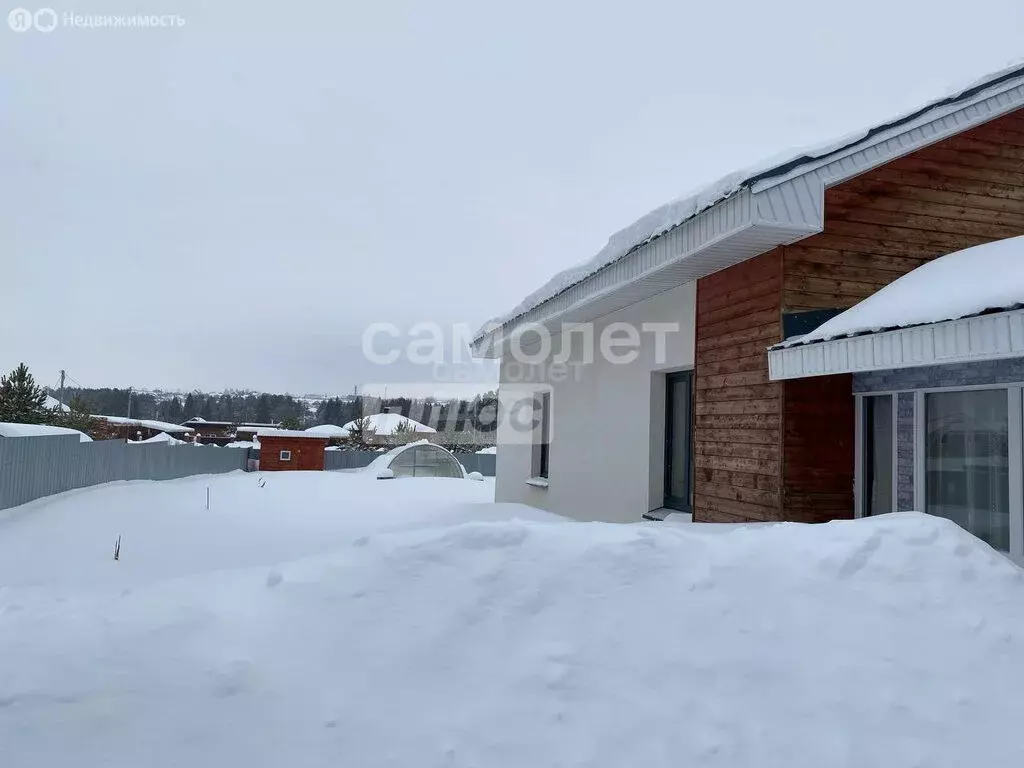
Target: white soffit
x,y
969,339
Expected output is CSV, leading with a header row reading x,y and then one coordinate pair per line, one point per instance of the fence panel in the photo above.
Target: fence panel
x,y
34,467
348,459
484,463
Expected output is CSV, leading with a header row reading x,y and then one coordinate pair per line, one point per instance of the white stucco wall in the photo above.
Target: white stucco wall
x,y
608,422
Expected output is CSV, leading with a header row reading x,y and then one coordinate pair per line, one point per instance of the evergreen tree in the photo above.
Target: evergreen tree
x,y
263,409
21,400
361,432
77,417
190,407
173,411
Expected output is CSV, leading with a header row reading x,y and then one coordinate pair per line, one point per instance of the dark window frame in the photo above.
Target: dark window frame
x,y
670,501
542,436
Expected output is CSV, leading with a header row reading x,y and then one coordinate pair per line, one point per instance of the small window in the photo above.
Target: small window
x,y
542,434
286,455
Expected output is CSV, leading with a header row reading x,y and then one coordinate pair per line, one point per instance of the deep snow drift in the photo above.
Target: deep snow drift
x,y
442,641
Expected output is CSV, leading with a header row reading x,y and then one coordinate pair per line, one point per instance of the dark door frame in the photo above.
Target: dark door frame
x,y
676,502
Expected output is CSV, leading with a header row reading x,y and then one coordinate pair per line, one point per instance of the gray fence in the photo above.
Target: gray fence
x,y
33,467
483,463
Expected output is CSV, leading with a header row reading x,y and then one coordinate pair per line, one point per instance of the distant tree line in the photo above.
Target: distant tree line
x,y
234,407
463,424
266,408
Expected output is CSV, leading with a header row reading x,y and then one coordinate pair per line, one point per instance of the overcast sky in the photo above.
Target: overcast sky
x,y
231,202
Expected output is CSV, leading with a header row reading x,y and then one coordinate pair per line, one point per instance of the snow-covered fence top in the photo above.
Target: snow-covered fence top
x,y
34,467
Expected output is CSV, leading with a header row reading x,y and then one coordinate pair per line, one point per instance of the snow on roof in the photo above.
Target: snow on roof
x,y
163,437
387,423
162,426
328,430
288,433
243,444
53,402
969,282
489,449
11,429
676,212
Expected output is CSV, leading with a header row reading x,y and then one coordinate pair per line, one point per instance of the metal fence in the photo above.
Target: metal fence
x,y
33,467
484,463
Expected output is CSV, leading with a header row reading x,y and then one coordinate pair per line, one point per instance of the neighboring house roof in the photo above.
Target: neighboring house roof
x,y
11,429
288,433
744,214
163,437
387,423
161,426
53,402
328,430
960,307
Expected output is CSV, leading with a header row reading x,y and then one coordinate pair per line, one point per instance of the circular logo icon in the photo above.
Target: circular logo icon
x,y
45,19
20,20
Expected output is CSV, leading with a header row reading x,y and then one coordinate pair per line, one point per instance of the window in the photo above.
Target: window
x,y
878,430
286,456
967,467
679,441
541,434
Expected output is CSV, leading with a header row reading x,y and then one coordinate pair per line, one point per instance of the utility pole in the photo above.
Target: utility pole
x,y
62,375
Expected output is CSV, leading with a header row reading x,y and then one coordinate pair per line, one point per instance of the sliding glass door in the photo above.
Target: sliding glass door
x,y
967,468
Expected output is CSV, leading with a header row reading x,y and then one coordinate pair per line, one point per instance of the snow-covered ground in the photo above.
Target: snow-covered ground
x,y
331,619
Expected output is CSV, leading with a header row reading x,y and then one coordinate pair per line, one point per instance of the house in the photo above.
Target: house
x,y
211,431
122,427
282,449
667,329
224,432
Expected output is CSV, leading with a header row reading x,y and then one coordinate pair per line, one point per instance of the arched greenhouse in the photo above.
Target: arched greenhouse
x,y
419,459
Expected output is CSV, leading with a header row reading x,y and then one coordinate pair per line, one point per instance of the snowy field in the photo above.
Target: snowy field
x,y
331,619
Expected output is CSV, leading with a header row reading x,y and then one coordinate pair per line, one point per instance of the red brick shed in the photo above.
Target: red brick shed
x,y
282,449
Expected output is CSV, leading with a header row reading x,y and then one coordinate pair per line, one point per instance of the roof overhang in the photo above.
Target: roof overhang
x,y
779,207
735,230
969,339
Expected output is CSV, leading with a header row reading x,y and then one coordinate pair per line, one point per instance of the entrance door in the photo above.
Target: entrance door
x,y
679,441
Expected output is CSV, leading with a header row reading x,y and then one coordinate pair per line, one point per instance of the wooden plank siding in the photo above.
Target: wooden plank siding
x,y
737,461
960,192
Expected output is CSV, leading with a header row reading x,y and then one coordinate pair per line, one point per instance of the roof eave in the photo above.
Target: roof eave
x,y
969,339
792,202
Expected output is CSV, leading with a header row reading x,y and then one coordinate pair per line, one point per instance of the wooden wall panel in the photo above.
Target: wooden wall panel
x,y
960,192
307,453
737,430
784,450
